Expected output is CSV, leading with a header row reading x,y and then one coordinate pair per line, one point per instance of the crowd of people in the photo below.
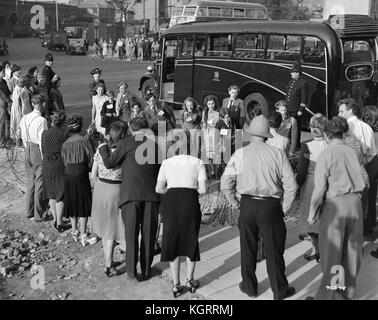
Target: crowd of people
x,y
145,171
128,48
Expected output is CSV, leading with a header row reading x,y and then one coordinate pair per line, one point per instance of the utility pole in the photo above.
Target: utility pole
x,y
157,15
56,15
17,11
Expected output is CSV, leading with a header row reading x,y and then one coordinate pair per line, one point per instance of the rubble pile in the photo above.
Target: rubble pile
x,y
19,251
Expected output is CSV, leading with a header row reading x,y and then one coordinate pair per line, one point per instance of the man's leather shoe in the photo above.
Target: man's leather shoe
x,y
241,288
289,293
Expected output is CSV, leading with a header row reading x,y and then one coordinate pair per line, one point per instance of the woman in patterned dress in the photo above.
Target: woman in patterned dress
x,y
106,217
53,167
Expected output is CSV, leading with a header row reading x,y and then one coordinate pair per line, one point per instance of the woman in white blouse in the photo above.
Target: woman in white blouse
x,y
181,178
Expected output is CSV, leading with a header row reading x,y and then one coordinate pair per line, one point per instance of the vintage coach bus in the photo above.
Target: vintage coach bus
x,y
339,59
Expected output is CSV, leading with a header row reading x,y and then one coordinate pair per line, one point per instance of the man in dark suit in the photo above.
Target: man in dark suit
x,y
138,200
297,96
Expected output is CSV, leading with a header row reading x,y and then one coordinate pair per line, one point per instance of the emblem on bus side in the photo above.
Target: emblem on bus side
x,y
216,76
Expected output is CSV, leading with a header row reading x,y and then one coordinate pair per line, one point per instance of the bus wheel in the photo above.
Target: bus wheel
x,y
148,86
255,99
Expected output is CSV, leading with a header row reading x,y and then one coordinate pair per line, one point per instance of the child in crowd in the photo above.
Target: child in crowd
x,y
278,141
108,112
227,139
235,106
210,117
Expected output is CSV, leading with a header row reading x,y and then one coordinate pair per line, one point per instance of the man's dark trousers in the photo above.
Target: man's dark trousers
x,y
266,217
140,216
36,205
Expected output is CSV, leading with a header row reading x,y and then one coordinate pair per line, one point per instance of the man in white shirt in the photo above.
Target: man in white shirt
x,y
32,126
349,110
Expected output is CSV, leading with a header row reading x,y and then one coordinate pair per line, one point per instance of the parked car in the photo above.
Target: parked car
x,y
57,41
76,46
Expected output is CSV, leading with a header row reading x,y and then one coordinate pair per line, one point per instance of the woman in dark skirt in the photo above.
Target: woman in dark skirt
x,y
77,156
53,167
181,178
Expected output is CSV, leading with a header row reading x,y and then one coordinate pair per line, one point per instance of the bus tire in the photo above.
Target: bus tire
x,y
255,98
148,85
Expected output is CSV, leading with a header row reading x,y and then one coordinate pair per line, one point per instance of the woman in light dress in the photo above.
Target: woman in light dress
x,y
16,113
110,49
97,102
105,49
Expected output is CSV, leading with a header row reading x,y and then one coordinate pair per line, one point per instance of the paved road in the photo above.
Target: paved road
x,y
74,71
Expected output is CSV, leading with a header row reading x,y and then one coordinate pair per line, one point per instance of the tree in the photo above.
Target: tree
x,y
125,7
286,9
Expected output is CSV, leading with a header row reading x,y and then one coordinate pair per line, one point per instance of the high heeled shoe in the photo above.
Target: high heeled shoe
x,y
192,285
176,290
111,271
310,257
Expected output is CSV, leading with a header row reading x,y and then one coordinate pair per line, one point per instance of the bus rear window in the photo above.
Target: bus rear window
x,y
313,51
358,51
190,11
214,12
177,11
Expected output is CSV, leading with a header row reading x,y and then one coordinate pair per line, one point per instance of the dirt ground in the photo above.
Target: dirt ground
x,y
72,272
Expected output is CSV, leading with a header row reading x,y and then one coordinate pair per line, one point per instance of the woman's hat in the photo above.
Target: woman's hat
x,y
260,127
122,83
297,67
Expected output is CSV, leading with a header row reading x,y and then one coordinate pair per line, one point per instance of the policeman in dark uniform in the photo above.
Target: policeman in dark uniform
x,y
96,74
50,78
297,96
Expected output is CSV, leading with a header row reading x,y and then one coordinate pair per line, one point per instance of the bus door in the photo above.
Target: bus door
x,y
184,69
358,70
167,73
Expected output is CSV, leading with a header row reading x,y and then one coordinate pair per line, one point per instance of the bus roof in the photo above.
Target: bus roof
x,y
290,27
223,4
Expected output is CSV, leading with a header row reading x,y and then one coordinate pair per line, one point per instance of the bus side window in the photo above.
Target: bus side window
x,y
286,48
250,46
219,45
313,51
199,48
214,11
187,48
226,12
169,60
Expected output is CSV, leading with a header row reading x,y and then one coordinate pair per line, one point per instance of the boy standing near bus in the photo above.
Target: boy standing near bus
x,y
235,107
